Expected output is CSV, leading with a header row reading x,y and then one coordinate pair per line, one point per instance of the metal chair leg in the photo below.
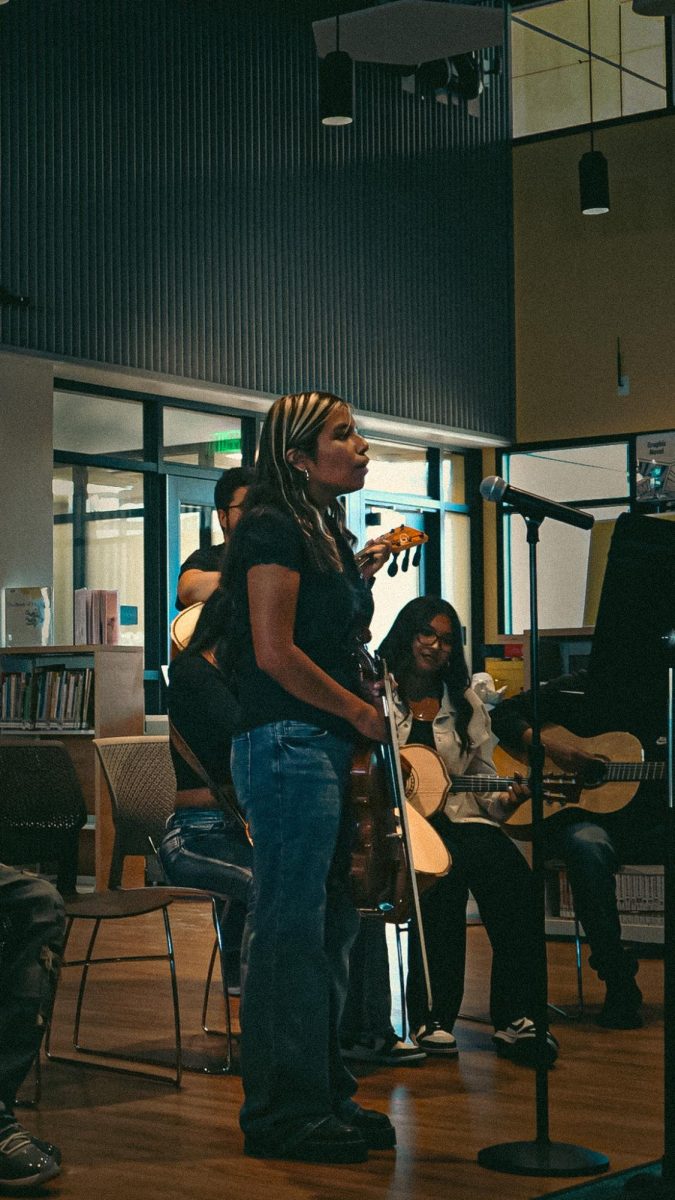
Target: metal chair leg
x,y
218,950
89,961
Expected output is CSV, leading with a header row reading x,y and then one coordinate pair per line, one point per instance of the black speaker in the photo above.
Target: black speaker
x,y
627,675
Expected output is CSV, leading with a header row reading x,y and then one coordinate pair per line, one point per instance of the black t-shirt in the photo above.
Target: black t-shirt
x,y
205,713
333,606
206,558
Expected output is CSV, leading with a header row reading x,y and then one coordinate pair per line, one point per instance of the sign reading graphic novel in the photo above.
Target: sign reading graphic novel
x,y
656,467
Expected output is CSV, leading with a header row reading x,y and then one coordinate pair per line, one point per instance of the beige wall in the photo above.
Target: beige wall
x,y
26,391
581,282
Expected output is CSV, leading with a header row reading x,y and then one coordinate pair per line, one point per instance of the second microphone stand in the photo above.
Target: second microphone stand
x,y
540,1156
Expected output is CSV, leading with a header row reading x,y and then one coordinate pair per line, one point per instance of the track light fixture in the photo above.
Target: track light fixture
x,y
336,73
593,169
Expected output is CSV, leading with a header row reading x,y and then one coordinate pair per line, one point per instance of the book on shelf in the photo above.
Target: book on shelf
x,y
96,617
54,696
27,616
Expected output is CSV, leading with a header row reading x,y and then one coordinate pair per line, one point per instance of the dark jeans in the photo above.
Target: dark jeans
x,y
32,925
367,1011
485,861
205,848
593,852
291,780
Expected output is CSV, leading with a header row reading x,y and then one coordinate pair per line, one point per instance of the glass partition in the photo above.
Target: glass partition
x,y
201,439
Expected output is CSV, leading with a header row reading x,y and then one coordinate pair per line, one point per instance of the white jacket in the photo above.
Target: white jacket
x,y
476,760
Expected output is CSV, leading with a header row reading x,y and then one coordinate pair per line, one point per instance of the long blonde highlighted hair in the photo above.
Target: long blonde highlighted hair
x,y
294,422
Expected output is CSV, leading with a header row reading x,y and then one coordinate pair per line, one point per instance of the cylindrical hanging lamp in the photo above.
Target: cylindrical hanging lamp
x,y
593,169
336,75
593,183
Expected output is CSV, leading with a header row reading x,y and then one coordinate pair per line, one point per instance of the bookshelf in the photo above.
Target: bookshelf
x,y
111,704
640,901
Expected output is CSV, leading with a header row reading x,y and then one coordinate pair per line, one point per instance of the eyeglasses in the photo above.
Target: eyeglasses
x,y
427,636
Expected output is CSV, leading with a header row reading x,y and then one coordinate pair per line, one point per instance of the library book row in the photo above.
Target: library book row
x,y
53,697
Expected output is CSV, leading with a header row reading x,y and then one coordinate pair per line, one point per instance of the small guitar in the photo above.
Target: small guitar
x,y
428,784
623,771
402,540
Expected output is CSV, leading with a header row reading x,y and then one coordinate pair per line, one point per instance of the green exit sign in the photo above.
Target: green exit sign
x,y
228,442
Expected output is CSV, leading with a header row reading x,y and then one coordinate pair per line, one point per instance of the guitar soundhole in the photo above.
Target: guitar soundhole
x,y
412,783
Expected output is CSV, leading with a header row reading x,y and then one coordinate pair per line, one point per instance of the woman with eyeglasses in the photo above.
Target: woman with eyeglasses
x,y
436,707
298,604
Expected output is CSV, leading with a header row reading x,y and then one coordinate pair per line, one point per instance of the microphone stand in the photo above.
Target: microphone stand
x,y
540,1156
662,1187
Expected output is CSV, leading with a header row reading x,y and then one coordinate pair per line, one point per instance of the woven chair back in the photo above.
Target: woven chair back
x,y
142,787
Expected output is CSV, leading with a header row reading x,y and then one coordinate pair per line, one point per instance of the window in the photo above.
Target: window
x,y
98,543
570,562
550,81
396,468
92,424
201,439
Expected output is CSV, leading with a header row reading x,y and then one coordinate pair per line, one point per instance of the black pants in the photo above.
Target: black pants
x,y
32,926
487,862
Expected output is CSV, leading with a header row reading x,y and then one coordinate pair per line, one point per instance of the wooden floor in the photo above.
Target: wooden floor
x,y
126,1139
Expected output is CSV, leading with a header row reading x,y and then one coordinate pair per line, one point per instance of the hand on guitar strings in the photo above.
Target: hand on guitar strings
x,y
589,769
517,793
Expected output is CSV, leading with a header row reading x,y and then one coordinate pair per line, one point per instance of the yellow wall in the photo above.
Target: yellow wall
x,y
581,282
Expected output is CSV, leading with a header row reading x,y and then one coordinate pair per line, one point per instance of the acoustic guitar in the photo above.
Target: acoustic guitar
x,y
624,769
428,784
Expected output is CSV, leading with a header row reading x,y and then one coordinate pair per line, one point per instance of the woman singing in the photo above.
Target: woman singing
x,y
298,601
436,707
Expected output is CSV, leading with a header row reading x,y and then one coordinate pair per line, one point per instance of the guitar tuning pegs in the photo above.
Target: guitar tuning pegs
x,y
406,560
417,556
392,569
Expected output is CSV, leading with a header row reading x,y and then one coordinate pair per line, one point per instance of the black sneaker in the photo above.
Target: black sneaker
x,y
331,1141
518,1042
621,1009
433,1039
23,1164
388,1051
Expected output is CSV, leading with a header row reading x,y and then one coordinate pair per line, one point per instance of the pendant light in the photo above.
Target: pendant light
x,y
335,85
593,170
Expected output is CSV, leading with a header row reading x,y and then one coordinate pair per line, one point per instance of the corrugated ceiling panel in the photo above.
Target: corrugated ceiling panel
x,y
170,201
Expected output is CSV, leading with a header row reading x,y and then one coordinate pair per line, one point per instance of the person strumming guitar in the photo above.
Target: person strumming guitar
x,y
436,707
592,846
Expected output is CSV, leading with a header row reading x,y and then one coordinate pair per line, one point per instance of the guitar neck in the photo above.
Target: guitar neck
x,y
631,772
480,783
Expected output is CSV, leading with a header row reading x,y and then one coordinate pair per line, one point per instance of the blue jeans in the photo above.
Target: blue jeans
x,y
205,848
291,781
32,925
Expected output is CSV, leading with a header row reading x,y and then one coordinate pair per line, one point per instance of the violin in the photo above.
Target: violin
x,y
384,864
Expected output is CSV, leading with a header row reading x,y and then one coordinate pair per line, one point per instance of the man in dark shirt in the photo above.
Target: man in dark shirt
x,y
592,847
200,573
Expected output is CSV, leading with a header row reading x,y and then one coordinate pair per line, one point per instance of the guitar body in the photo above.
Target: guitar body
x,y
426,779
601,799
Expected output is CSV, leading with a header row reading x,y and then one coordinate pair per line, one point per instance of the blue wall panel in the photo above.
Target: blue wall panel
x,y
170,201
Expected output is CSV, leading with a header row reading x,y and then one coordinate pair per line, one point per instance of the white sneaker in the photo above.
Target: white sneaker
x,y
518,1042
435,1040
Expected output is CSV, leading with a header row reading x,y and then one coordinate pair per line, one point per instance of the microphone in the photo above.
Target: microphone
x,y
498,491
